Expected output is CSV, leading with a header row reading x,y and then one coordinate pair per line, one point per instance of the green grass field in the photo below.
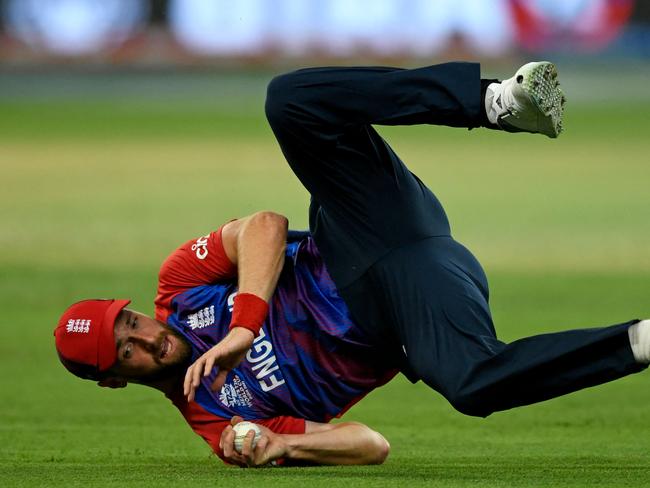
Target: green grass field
x,y
97,188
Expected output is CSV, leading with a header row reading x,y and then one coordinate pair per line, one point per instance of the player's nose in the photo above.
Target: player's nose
x,y
148,343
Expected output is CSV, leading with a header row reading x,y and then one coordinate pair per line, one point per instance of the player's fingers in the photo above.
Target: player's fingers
x,y
237,459
228,439
230,452
209,363
261,446
259,456
196,371
241,460
193,384
188,381
224,434
247,447
235,420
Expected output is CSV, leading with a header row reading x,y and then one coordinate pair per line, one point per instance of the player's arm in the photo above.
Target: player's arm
x,y
343,443
255,245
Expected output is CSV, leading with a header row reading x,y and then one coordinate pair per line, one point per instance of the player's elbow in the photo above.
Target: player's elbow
x,y
382,450
272,226
378,450
274,223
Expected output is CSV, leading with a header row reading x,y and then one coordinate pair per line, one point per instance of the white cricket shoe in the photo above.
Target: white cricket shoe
x,y
530,101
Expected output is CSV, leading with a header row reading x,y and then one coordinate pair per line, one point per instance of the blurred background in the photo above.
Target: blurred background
x,y
213,32
130,126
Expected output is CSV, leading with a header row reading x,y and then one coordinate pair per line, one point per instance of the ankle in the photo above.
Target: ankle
x,y
639,334
486,104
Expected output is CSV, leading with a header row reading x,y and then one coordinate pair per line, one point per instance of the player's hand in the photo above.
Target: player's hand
x,y
269,447
226,355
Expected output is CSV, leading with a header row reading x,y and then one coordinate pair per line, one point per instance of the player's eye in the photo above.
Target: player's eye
x,y
128,350
134,323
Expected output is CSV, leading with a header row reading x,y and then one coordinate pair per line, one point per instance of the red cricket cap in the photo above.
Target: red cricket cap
x,y
85,335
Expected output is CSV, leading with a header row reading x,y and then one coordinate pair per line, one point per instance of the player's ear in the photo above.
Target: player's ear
x,y
113,382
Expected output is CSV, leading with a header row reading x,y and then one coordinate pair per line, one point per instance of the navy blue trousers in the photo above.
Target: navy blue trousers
x,y
386,241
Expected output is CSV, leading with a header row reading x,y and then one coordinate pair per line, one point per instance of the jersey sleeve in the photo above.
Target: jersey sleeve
x,y
205,424
210,426
197,262
283,424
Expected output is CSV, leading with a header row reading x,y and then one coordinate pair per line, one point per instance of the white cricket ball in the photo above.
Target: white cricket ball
x,y
243,428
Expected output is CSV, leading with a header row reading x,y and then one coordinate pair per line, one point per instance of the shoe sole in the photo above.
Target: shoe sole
x,y
539,81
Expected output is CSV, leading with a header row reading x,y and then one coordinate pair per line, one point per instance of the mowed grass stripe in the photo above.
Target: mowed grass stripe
x,y
517,201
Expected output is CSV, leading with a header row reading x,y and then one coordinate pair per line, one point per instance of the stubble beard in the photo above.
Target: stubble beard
x,y
172,370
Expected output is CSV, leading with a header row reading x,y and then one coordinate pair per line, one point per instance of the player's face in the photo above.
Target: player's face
x,y
148,350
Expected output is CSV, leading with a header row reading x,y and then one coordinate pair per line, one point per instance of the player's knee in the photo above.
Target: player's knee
x,y
470,403
278,97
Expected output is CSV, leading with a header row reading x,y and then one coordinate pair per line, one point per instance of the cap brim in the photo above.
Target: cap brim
x,y
106,351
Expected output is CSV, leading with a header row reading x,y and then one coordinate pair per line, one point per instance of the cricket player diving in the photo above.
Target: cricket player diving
x,y
289,329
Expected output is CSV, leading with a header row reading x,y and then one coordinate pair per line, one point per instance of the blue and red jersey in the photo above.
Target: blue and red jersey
x,y
309,362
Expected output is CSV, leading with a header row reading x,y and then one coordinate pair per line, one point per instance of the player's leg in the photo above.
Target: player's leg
x,y
438,304
365,201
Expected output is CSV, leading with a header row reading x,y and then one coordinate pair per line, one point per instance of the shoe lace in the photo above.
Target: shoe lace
x,y
505,100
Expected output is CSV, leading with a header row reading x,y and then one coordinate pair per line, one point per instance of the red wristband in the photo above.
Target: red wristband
x,y
249,311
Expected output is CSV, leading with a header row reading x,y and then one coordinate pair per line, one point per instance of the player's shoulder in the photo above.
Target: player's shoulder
x,y
193,249
201,257
199,261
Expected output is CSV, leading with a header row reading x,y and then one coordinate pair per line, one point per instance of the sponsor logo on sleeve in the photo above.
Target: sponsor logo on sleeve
x,y
200,247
